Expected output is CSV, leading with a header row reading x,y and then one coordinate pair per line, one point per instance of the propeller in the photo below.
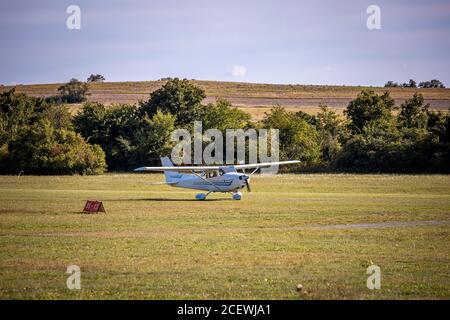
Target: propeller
x,y
248,186
247,183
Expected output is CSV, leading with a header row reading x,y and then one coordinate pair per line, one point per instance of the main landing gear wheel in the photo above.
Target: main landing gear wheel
x,y
237,195
201,196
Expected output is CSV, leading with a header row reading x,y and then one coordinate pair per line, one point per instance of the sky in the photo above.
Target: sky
x,y
263,41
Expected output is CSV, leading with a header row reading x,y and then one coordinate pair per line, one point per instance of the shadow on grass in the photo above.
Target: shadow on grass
x,y
174,200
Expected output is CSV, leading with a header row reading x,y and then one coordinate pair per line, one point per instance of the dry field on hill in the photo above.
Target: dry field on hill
x,y
253,98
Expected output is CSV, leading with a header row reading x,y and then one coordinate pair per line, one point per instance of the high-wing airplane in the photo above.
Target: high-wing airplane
x,y
210,178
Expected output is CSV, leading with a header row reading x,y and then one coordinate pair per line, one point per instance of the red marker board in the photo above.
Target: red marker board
x,y
93,207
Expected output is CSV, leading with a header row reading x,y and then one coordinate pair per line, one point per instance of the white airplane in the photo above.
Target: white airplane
x,y
210,178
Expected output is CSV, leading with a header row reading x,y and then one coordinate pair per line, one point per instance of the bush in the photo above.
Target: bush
x,y
74,91
38,139
42,149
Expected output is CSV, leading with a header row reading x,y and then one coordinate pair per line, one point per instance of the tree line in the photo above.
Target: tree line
x,y
413,84
38,136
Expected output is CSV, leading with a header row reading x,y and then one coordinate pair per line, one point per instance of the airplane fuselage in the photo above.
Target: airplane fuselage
x,y
227,182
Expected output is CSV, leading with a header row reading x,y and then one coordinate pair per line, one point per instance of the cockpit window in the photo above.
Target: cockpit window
x,y
212,174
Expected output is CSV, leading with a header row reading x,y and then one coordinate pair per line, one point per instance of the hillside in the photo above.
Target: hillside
x,y
254,98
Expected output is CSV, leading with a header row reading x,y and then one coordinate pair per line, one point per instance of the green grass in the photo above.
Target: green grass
x,y
155,242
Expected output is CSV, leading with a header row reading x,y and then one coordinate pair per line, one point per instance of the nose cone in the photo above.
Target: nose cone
x,y
244,177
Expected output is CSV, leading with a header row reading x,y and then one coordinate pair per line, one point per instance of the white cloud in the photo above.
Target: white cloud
x,y
239,71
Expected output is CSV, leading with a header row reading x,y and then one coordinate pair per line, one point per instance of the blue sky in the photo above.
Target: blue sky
x,y
283,41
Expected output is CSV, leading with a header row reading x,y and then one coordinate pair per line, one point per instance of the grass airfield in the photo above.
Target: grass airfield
x,y
157,242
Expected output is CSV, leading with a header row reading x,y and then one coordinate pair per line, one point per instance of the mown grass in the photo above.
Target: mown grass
x,y
156,242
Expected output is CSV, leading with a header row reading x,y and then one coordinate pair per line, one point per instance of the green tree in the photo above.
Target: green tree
x,y
431,84
18,110
95,78
413,113
222,115
74,91
311,119
298,139
151,140
178,97
438,126
121,122
412,83
332,132
109,128
374,149
59,117
391,83
436,84
90,122
368,107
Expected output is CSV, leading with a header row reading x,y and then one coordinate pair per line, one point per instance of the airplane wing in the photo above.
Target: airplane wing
x,y
212,168
264,164
179,168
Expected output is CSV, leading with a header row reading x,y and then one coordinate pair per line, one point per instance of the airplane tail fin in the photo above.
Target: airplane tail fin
x,y
170,175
